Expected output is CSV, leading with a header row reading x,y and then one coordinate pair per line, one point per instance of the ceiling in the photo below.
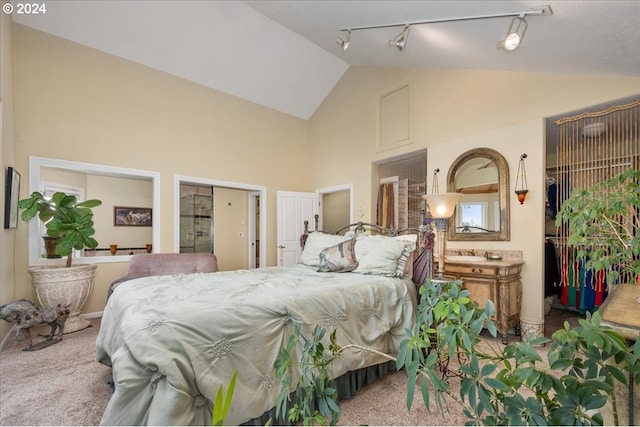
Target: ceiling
x,y
284,55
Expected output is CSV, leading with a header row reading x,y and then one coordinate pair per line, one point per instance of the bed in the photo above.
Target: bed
x,y
173,340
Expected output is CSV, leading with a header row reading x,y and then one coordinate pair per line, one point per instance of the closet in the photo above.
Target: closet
x,y
587,148
196,218
402,182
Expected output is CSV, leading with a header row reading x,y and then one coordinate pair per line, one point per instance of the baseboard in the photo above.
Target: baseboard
x,y
93,315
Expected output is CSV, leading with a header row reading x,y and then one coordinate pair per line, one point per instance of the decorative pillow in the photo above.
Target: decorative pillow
x,y
381,255
340,258
316,243
405,263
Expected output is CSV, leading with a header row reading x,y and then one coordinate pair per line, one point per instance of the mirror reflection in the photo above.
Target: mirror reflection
x,y
479,210
482,176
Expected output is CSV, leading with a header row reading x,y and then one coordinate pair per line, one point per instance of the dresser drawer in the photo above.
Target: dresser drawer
x,y
472,270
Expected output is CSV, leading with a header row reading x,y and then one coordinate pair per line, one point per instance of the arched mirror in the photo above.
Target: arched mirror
x,y
482,176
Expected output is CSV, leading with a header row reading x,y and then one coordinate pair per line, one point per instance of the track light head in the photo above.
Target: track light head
x,y
344,44
400,40
514,36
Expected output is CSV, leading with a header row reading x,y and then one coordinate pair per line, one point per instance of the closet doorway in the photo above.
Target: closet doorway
x,y
223,218
583,148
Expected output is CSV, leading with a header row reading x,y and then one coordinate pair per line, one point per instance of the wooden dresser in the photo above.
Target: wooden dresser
x,y
498,281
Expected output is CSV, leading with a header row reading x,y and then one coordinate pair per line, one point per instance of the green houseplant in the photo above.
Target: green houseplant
x,y
70,222
499,385
64,218
602,223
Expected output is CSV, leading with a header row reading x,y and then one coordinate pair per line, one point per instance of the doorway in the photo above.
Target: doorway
x,y
237,221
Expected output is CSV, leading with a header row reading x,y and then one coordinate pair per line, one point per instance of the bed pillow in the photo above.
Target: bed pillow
x,y
340,258
316,243
380,255
406,260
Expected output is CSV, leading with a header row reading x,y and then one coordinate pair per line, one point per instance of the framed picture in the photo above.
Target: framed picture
x,y
127,216
11,195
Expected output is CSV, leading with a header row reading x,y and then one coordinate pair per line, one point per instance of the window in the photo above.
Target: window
x,y
50,175
472,217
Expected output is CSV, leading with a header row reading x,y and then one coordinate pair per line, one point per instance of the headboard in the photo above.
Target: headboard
x,y
422,256
365,227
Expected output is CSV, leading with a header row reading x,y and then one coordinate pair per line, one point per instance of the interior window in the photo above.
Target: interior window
x,y
115,187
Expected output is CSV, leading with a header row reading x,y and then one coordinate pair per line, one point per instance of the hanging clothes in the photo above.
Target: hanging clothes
x,y
385,216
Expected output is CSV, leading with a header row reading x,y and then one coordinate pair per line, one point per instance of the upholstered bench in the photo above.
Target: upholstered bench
x,y
143,265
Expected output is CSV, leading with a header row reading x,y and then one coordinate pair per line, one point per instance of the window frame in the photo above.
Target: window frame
x,y
35,184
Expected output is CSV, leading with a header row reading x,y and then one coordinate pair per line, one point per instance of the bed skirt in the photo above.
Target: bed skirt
x,y
347,385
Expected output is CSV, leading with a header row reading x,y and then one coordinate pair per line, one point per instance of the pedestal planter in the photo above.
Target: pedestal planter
x,y
68,286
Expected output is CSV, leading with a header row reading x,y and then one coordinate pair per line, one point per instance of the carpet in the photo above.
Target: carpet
x,y
64,385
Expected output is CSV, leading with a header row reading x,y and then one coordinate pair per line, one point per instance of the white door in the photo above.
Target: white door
x,y
293,209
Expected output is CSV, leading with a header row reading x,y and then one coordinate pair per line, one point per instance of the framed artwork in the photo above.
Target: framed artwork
x,y
128,216
11,195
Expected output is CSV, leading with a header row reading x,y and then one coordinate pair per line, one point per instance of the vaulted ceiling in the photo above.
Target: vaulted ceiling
x,y
284,55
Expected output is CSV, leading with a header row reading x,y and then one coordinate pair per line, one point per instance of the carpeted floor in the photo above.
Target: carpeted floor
x,y
65,385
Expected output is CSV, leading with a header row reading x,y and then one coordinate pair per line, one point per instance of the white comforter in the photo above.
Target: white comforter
x,y
173,340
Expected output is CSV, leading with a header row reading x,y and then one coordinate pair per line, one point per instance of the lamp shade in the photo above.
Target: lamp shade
x,y
442,205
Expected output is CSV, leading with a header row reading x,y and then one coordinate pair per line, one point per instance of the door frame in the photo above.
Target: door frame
x,y
335,189
251,227
260,189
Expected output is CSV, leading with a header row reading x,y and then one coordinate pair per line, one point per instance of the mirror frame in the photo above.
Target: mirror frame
x,y
503,177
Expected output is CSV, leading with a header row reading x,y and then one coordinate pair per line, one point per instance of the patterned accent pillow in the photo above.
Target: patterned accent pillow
x,y
340,258
315,243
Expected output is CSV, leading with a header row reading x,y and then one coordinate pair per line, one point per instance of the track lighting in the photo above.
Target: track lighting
x,y
400,40
344,44
515,34
512,40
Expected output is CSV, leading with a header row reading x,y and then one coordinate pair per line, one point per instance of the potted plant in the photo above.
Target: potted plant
x,y
71,223
603,225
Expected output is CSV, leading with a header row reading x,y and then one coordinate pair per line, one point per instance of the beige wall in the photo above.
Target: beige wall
x,y
335,210
7,158
79,104
453,111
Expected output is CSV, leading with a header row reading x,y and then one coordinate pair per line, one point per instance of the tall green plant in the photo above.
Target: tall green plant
x,y
64,218
500,385
603,224
316,397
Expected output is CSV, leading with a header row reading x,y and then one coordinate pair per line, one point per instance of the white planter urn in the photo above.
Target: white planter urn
x,y
68,286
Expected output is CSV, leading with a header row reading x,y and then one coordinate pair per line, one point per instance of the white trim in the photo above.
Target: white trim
x,y
35,163
334,189
183,179
251,226
93,315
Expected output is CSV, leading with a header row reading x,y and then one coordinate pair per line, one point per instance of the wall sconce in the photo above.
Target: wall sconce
x,y
441,206
521,178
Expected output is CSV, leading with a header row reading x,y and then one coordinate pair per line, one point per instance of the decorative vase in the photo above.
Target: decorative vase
x,y
68,286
